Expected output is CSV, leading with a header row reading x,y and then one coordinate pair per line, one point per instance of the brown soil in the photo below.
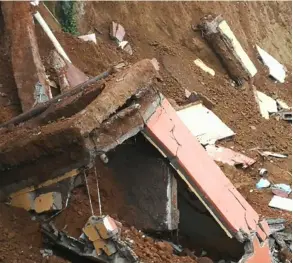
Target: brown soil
x,y
163,30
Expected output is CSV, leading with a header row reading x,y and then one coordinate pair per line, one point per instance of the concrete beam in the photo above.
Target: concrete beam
x,y
29,72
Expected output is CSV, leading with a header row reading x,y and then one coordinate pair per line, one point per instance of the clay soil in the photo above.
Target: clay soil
x,y
163,30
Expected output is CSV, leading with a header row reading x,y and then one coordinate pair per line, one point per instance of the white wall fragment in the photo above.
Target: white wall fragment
x,y
204,67
228,156
239,52
89,37
204,124
281,203
277,70
266,104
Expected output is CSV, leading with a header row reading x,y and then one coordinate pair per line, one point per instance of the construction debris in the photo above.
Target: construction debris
x,y
281,203
117,32
228,156
282,190
204,67
263,172
110,250
204,124
48,202
223,41
89,37
263,183
116,134
193,97
267,105
272,154
277,70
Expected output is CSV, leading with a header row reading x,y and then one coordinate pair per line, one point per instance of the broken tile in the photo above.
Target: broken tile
x,y
281,203
266,104
48,202
123,44
204,67
282,190
204,124
225,155
282,105
263,183
89,37
120,33
277,70
128,49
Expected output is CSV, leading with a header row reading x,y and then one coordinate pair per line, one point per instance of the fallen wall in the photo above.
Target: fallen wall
x,y
205,179
74,142
29,72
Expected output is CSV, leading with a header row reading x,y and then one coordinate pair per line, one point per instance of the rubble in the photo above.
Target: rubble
x,y
282,190
89,37
204,124
267,105
136,159
117,32
272,154
281,203
225,155
277,70
204,67
223,41
24,51
263,183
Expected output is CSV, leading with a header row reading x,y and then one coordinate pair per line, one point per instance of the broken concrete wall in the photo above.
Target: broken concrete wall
x,y
200,229
29,72
222,40
74,142
146,182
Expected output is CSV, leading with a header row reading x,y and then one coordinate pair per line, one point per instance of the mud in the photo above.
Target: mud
x,y
166,34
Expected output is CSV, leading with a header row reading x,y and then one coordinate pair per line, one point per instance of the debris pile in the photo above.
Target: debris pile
x,y
114,166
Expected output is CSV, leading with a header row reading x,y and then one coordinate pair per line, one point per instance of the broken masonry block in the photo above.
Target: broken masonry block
x,y
107,246
220,37
25,201
106,227
29,72
48,202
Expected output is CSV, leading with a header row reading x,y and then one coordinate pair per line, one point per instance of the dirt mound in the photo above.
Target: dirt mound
x,y
163,30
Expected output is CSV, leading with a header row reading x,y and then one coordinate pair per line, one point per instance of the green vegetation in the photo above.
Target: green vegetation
x,y
66,13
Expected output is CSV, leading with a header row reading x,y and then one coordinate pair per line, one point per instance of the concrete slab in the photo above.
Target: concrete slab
x,y
200,172
204,124
29,72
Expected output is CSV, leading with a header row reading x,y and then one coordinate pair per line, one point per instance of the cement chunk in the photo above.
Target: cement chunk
x,y
48,202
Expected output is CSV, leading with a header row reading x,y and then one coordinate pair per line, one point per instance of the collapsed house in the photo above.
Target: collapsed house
x,y
119,123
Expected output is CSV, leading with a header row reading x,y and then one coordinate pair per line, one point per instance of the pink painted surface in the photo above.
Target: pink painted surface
x,y
261,235
228,156
265,227
261,253
173,137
